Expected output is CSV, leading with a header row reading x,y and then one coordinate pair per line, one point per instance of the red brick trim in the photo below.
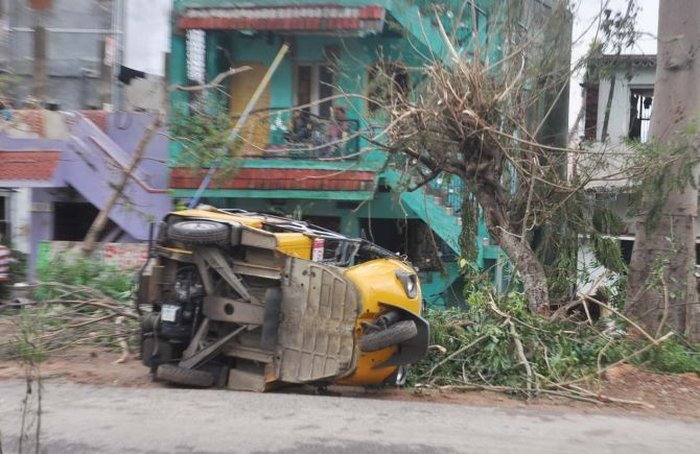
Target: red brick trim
x,y
28,165
278,179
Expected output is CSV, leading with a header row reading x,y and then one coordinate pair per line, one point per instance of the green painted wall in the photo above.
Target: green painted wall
x,y
418,38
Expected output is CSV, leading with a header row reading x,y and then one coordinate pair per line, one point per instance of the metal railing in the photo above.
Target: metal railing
x,y
298,134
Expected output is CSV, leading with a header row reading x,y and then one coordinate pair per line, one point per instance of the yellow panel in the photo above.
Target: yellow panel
x,y
379,288
256,132
366,373
378,284
294,244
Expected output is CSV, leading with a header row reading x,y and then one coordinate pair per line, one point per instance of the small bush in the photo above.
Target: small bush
x,y
478,347
673,357
79,271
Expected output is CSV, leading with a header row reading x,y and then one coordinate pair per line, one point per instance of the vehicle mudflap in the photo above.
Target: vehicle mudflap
x,y
316,331
414,349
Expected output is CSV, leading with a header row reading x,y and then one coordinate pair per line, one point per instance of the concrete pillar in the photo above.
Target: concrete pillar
x,y
105,85
40,66
350,225
42,221
20,219
177,72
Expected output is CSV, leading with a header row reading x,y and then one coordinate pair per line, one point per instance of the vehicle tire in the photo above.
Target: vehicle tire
x,y
392,335
199,232
182,376
164,352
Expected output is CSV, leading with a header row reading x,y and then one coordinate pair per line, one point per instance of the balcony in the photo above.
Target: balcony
x,y
283,133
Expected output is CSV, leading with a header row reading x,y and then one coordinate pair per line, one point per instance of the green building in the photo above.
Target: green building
x,y
316,164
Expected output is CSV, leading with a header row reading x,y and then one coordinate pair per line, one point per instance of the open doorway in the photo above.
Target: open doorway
x,y
410,237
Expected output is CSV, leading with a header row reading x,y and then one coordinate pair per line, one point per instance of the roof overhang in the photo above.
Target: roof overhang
x,y
309,18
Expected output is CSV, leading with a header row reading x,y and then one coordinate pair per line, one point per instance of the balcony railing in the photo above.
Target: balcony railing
x,y
295,134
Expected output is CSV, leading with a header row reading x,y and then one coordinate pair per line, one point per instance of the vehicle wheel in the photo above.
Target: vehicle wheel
x,y
199,232
392,335
182,376
398,377
164,352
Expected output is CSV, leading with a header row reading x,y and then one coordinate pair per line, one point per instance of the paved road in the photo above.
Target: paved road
x,y
88,419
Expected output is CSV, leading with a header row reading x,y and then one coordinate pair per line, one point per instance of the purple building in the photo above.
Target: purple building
x,y
58,169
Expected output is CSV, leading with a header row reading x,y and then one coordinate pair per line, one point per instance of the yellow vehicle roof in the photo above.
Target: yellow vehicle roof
x,y
250,221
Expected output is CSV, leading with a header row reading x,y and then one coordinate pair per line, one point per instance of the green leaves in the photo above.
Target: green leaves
x,y
205,139
556,350
79,271
674,358
659,170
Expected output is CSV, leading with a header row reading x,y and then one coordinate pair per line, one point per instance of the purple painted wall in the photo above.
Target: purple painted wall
x,y
93,164
11,144
126,129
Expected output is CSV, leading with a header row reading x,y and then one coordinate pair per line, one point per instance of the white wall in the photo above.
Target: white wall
x,y
147,35
20,218
587,14
618,126
606,158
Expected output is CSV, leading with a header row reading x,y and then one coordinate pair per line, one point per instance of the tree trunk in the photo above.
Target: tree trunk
x,y
519,252
661,289
530,270
100,221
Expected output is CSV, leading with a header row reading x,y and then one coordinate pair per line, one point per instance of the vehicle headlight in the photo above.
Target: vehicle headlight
x,y
409,281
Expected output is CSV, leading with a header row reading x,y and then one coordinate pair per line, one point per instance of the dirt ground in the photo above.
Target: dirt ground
x,y
674,396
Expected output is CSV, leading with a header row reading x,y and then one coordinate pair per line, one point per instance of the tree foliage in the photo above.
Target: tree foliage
x,y
491,116
203,136
499,344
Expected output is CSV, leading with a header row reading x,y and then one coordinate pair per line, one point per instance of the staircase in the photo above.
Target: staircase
x,y
438,205
93,164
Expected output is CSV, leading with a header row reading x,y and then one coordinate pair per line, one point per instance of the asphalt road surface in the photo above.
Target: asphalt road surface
x,y
89,419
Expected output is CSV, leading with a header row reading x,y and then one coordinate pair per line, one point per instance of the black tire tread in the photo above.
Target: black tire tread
x,y
189,377
187,232
392,335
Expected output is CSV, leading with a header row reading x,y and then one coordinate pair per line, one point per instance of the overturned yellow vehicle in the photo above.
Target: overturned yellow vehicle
x,y
248,301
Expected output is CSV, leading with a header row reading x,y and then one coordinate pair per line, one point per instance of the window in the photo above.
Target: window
x,y
4,217
314,82
591,112
386,84
195,46
641,100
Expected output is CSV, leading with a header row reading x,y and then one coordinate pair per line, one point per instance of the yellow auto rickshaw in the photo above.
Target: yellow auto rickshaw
x,y
249,301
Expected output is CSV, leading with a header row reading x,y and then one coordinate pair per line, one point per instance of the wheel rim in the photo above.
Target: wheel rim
x,y
401,374
204,226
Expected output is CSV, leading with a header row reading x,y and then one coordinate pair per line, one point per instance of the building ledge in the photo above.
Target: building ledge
x,y
278,179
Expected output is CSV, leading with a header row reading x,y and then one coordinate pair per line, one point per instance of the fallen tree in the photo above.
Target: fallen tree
x,y
500,345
